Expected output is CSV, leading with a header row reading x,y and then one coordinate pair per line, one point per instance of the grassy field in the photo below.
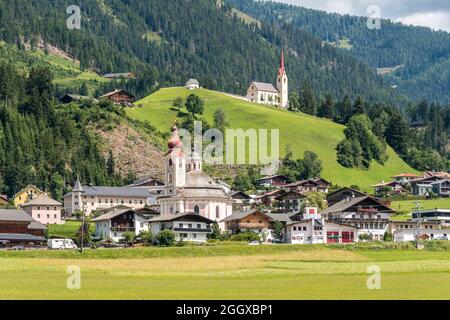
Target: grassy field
x,y
291,272
300,131
410,205
67,230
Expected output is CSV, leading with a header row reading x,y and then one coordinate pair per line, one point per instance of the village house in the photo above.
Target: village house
x,y
423,186
256,221
314,229
291,201
392,187
119,97
404,231
441,188
405,178
190,227
188,188
367,213
26,194
192,84
113,224
345,193
268,199
272,181
241,201
18,227
441,216
88,199
309,185
266,93
45,210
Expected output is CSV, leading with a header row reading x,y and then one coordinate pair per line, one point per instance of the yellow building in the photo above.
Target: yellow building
x,y
26,194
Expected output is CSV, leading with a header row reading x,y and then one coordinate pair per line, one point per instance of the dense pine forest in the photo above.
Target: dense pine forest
x,y
44,144
416,58
165,42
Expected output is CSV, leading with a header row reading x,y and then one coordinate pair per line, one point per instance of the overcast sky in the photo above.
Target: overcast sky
x,y
431,13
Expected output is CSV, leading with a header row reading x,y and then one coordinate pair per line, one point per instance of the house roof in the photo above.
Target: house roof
x,y
292,192
262,86
272,216
36,225
175,217
406,175
345,204
109,94
192,81
356,192
115,192
119,75
20,237
42,200
110,215
15,215
272,177
145,180
385,184
29,186
241,193
4,197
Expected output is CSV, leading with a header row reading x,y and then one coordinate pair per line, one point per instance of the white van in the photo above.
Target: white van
x,y
62,244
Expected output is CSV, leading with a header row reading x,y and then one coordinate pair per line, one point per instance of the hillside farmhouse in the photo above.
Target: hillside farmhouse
x,y
26,194
119,97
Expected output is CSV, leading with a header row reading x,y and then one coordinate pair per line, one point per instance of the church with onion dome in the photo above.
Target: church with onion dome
x,y
188,189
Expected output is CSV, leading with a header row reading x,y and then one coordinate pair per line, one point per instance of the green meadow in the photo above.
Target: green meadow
x,y
408,206
228,272
301,132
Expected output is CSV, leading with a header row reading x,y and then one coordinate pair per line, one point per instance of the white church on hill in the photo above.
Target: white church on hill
x,y
266,93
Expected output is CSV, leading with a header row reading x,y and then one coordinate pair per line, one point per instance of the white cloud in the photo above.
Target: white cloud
x,y
431,13
434,20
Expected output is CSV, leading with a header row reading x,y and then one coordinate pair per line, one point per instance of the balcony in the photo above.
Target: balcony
x,y
123,229
192,230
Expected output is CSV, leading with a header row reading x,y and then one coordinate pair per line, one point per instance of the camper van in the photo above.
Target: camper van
x,y
62,244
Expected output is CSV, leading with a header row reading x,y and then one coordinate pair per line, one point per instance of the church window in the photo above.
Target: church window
x,y
170,163
171,210
170,178
217,212
197,210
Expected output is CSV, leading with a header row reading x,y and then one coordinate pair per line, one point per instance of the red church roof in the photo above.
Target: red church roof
x,y
282,70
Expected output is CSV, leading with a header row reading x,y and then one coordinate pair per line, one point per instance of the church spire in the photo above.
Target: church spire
x,y
282,69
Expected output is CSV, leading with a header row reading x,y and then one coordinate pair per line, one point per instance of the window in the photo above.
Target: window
x,y
39,216
55,216
180,225
197,210
218,212
48,208
48,216
304,228
39,208
199,226
170,163
190,225
194,236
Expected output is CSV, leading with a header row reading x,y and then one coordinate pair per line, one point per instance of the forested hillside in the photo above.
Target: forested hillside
x,y
168,41
415,59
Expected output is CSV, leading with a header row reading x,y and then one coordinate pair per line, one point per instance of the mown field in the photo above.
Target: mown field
x,y
409,206
301,132
228,272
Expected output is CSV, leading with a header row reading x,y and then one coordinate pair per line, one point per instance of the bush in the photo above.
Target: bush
x,y
247,236
146,237
166,238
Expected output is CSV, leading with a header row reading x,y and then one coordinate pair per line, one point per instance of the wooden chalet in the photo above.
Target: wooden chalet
x,y
18,227
119,97
253,220
290,201
343,194
272,181
309,185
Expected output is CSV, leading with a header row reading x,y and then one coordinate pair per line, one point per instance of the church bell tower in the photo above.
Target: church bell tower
x,y
283,85
175,166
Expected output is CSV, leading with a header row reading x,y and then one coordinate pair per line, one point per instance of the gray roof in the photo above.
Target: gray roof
x,y
265,87
175,217
78,187
200,185
110,215
20,237
36,226
345,204
115,192
192,81
273,216
15,215
42,200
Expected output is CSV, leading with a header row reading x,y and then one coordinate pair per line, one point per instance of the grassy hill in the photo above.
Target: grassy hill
x,y
302,132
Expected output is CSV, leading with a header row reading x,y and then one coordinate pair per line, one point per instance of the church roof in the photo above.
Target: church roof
x,y
261,86
199,184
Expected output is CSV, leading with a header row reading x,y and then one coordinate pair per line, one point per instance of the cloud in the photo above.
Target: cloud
x,y
432,13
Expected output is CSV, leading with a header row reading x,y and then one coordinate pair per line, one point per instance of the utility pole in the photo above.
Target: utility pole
x,y
82,231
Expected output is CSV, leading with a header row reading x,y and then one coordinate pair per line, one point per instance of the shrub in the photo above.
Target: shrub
x,y
166,238
146,237
247,236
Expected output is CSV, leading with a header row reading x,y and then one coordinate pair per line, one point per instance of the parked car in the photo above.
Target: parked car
x,y
254,243
62,244
18,248
441,238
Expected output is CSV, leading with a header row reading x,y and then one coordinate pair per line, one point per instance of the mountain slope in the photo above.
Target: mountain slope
x,y
301,132
168,41
419,51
